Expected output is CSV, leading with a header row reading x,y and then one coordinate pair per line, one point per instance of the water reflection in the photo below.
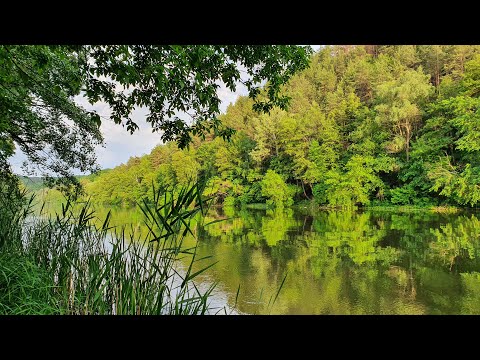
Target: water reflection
x,y
348,262
340,262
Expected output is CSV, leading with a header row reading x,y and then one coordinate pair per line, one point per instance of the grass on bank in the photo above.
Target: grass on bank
x,y
67,265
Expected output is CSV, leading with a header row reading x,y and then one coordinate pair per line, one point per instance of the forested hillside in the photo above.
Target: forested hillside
x,y
366,125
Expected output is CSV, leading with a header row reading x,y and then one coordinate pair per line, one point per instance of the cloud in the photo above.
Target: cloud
x,y
16,162
120,145
229,97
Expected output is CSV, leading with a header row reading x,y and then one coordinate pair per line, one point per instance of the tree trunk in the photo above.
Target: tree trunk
x,y
372,50
304,192
407,138
276,144
437,73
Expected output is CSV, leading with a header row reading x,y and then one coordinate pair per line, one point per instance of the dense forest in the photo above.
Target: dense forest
x,y
366,125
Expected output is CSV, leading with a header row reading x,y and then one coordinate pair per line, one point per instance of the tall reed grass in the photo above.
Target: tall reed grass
x,y
66,264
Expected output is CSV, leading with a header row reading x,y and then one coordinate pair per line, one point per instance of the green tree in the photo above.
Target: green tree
x,y
354,186
456,172
364,126
39,83
276,190
38,113
401,107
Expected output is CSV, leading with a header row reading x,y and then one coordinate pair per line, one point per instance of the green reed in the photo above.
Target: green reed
x,y
66,264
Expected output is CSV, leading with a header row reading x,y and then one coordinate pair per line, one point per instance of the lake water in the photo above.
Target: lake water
x,y
340,262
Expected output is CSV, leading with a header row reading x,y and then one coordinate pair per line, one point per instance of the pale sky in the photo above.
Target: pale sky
x,y
119,144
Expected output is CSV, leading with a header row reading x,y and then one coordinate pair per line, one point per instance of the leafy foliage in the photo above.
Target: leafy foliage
x,y
69,264
38,86
397,124
276,190
38,112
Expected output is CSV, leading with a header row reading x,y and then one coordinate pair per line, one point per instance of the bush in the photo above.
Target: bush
x,y
277,192
319,191
404,195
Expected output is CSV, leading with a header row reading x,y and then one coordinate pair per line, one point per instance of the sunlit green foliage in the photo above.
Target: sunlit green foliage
x,y
366,125
40,86
276,190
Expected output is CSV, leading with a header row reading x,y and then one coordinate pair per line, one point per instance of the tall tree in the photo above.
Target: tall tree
x,y
38,113
401,107
38,85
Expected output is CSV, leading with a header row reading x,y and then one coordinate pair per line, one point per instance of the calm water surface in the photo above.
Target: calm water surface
x,y
340,262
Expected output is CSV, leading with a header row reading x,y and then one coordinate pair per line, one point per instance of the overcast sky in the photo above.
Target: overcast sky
x,y
119,144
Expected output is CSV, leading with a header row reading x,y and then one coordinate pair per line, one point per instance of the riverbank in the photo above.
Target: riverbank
x,y
53,198
408,208
68,264
446,209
